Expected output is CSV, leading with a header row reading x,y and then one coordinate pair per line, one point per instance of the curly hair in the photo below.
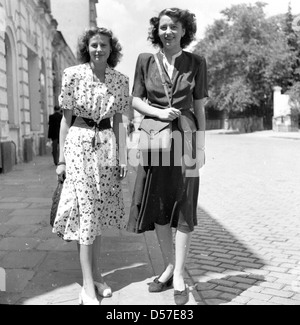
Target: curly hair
x,y
83,46
186,18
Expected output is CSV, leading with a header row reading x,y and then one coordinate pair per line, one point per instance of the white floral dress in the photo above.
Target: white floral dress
x,y
91,198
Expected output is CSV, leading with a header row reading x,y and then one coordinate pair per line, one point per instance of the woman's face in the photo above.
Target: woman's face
x,y
170,33
99,48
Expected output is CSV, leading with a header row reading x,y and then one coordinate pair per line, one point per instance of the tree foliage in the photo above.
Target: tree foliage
x,y
247,55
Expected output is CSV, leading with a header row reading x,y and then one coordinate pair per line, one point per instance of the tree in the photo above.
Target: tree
x,y
247,55
294,93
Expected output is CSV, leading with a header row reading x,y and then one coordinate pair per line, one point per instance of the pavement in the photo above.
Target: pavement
x,y
245,249
42,269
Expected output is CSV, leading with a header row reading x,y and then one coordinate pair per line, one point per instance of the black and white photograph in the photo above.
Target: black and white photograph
x,y
149,155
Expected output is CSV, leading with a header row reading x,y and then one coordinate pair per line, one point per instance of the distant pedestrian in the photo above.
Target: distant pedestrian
x,y
53,132
93,154
164,196
130,129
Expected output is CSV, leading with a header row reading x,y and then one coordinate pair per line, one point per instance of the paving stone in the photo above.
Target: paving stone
x,y
276,286
21,220
18,244
30,213
13,206
9,298
213,302
17,280
283,301
5,229
38,200
226,289
46,283
1,255
278,293
256,295
210,294
25,231
22,260
257,302
11,199
57,244
60,261
62,296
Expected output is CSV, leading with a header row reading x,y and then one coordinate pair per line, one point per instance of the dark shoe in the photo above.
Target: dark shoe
x,y
181,297
157,286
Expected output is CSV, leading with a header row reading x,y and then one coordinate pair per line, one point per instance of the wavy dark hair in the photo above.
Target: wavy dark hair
x,y
83,46
186,18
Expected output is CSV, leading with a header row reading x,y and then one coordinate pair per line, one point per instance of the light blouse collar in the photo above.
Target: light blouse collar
x,y
170,66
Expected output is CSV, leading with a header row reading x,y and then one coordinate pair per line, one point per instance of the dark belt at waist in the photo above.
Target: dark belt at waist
x,y
87,123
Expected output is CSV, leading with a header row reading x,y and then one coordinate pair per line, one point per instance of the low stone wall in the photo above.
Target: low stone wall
x,y
242,125
288,123
245,125
214,124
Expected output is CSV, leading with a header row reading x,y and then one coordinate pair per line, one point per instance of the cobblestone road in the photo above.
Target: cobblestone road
x,y
245,249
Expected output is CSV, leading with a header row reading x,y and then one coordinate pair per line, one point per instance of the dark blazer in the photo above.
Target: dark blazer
x,y
54,126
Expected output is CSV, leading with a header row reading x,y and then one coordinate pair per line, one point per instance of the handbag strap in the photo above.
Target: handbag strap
x,y
164,83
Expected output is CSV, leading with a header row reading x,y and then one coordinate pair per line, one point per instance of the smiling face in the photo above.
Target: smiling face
x,y
99,48
171,33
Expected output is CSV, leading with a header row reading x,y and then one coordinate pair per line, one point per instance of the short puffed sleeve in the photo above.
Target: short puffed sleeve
x,y
139,88
123,94
201,84
67,95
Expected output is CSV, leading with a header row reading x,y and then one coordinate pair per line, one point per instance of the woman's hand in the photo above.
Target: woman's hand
x,y
61,171
169,114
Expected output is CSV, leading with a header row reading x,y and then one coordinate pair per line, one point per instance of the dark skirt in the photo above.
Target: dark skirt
x,y
166,188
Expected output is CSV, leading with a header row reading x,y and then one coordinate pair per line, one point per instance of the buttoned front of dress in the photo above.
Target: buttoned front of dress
x,y
91,198
163,192
189,80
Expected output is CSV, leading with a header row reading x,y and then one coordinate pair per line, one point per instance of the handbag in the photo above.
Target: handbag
x,y
56,198
155,134
187,122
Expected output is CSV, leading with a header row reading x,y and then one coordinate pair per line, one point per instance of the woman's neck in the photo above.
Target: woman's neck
x,y
99,70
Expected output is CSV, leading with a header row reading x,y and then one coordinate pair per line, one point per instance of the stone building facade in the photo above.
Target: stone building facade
x,y
73,17
33,55
62,57
69,28
26,78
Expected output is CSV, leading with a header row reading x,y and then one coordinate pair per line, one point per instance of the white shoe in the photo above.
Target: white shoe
x,y
84,299
103,289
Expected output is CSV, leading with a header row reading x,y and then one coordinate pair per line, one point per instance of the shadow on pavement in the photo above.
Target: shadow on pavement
x,y
221,265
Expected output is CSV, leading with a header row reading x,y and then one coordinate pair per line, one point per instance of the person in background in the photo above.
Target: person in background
x,y
166,197
93,154
130,129
53,132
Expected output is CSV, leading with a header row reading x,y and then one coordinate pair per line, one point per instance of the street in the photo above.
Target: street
x,y
245,249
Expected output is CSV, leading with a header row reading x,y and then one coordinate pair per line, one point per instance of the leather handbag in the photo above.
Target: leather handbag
x,y
187,122
56,198
155,134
